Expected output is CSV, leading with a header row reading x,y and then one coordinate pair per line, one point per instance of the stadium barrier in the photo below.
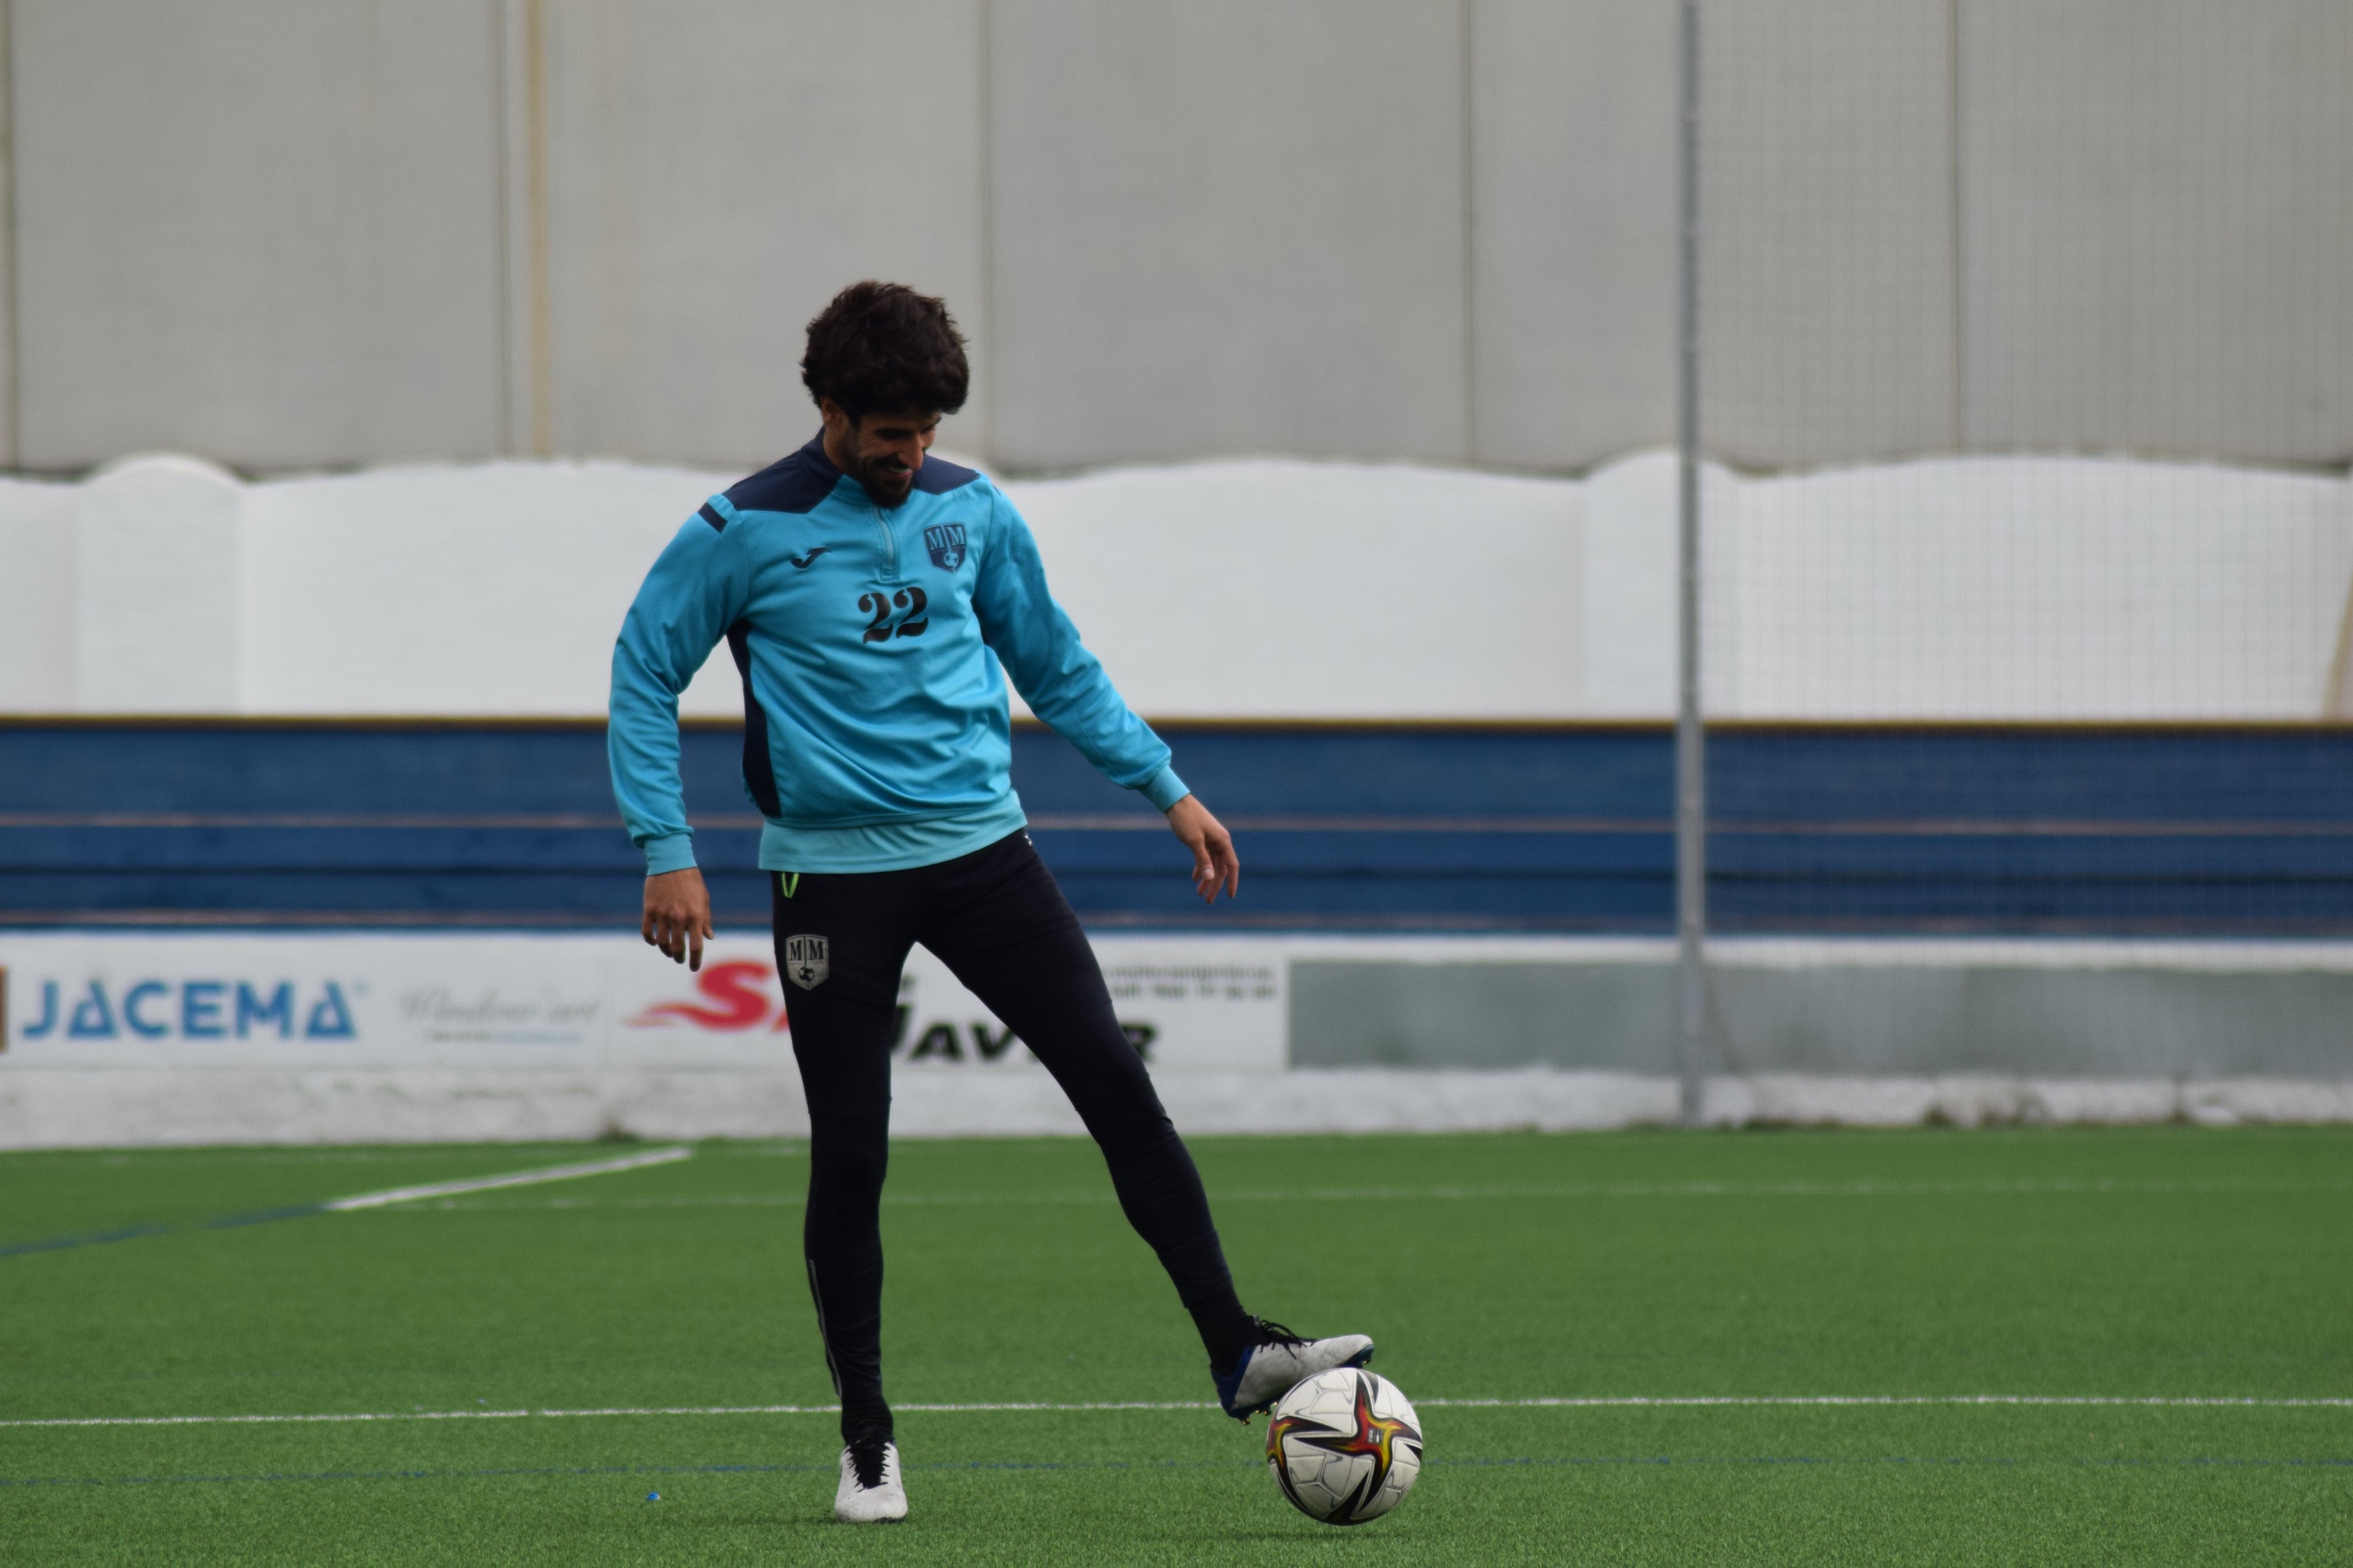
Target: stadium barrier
x,y
2184,832
1904,746
146,1038
298,931
2007,588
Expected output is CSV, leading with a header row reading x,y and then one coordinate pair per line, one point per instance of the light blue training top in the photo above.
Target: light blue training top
x,y
873,644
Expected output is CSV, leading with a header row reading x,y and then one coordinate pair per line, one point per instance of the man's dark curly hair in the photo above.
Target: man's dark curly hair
x,y
882,348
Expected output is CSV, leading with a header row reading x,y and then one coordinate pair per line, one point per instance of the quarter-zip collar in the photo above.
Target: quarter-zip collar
x,y
824,465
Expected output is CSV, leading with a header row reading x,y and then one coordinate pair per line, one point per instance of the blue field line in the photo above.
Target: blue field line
x,y
389,1197
85,1238
1636,1461
133,1233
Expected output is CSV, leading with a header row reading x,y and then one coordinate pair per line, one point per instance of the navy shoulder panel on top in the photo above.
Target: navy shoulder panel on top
x,y
937,476
795,484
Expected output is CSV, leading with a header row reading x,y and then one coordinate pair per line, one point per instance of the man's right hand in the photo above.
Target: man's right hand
x,y
677,915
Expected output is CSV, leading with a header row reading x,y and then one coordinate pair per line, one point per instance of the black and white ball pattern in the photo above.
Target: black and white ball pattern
x,y
1344,1446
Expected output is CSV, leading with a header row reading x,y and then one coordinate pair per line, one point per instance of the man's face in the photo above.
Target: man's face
x,y
881,452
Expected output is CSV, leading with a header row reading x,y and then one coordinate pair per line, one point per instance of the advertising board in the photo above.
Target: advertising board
x,y
509,1000
134,1037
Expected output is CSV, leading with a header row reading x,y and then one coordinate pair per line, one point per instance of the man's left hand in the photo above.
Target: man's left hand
x,y
1215,863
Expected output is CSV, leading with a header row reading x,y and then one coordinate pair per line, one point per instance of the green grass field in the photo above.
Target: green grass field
x,y
2163,1264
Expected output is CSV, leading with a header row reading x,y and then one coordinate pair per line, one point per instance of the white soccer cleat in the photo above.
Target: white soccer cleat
x,y
871,1492
1277,1360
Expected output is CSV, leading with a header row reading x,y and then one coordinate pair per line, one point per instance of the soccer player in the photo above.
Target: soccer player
x,y
875,601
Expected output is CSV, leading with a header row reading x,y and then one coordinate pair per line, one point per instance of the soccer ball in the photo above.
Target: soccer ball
x,y
1344,1446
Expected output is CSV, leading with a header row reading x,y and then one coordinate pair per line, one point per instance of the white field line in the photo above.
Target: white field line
x,y
1624,1402
1571,1190
512,1179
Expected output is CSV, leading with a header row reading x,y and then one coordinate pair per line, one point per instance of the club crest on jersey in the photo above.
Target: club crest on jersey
x,y
946,541
805,962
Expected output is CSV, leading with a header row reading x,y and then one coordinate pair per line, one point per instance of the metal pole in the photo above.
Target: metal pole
x,y
1690,736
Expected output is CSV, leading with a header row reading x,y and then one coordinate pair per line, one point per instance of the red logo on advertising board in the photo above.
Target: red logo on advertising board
x,y
737,996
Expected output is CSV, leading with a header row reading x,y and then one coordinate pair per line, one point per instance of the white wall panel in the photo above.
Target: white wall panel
x,y
1962,589
1826,283
159,600
265,230
491,589
2038,589
716,173
1274,589
2159,228
1225,227
1573,250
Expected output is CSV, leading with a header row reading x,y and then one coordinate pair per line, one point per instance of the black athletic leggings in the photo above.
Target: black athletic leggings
x,y
998,920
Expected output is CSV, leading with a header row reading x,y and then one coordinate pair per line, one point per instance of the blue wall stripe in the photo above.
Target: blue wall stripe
x,y
2157,831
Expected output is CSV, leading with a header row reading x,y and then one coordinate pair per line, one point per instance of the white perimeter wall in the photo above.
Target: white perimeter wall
x,y
127,1038
1968,588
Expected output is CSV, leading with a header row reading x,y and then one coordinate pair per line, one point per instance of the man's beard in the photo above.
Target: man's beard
x,y
885,480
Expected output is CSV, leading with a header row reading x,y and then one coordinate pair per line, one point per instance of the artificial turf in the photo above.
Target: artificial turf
x,y
2172,1264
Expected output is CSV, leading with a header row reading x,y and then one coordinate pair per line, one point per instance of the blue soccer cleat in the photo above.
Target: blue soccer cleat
x,y
1276,1360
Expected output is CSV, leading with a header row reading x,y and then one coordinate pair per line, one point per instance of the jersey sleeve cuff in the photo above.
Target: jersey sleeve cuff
x,y
673,853
1165,789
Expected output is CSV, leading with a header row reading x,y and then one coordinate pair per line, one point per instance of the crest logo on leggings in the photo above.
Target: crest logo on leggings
x,y
806,962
